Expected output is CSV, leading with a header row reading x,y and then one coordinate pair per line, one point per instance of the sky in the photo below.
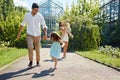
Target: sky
x,y
28,3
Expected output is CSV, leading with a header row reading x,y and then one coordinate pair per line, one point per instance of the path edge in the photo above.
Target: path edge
x,y
8,65
110,66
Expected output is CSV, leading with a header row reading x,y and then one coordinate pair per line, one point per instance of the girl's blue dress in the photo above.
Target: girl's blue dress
x,y
55,50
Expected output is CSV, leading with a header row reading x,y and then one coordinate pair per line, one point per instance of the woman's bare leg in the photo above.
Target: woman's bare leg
x,y
65,49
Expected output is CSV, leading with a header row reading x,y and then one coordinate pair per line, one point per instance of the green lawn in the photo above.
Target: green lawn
x,y
94,54
8,55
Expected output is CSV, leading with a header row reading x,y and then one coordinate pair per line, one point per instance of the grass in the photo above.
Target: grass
x,y
96,55
8,55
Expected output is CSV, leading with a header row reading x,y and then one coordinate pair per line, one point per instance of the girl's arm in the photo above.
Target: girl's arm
x,y
48,39
61,42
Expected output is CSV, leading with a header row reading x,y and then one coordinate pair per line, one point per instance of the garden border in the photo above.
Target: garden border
x,y
10,64
113,67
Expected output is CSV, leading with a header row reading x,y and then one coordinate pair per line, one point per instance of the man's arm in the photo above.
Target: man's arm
x,y
21,26
44,27
45,31
45,34
19,32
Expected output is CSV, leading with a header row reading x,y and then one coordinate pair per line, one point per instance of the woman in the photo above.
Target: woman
x,y
63,28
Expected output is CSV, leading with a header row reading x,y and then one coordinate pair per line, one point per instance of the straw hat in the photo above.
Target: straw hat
x,y
55,33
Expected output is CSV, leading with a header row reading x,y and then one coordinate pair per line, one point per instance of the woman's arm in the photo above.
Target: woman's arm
x,y
62,28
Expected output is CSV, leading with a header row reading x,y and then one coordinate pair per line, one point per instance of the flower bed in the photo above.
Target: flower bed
x,y
111,51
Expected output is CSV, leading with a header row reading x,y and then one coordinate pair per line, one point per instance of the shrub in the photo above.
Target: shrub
x,y
86,35
20,43
4,44
111,51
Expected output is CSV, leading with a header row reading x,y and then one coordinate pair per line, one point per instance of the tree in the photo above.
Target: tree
x,y
10,19
81,17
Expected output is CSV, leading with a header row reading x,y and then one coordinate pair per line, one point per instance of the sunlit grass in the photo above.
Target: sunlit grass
x,y
8,55
94,54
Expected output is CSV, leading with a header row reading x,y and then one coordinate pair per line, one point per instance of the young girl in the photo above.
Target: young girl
x,y
56,47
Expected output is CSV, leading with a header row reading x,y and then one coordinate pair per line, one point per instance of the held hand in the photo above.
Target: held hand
x,y
45,37
48,39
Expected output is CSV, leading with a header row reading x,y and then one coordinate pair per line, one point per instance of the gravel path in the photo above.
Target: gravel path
x,y
74,67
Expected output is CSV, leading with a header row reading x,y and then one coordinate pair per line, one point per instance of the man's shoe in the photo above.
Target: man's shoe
x,y
38,64
30,64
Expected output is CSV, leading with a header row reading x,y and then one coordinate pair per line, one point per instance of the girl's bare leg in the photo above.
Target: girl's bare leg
x,y
52,58
56,61
65,49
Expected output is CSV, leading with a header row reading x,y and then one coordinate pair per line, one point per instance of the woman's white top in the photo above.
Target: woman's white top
x,y
65,36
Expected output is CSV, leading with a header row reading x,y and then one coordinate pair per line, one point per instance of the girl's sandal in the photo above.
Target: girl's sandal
x,y
54,69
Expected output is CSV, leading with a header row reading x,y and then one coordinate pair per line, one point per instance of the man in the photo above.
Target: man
x,y
34,20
